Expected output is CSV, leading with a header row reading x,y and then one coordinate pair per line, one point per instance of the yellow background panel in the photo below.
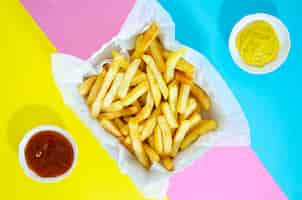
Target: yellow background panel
x,y
29,97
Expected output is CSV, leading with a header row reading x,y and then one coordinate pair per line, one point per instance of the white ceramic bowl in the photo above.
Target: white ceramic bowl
x,y
283,36
26,139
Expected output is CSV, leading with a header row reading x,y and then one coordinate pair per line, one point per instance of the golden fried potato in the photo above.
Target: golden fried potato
x,y
149,126
191,106
145,112
153,156
158,140
135,93
138,78
169,115
183,98
113,70
113,90
158,77
144,40
137,144
109,126
114,107
166,135
201,96
125,83
156,53
171,63
180,134
173,95
182,65
168,163
201,128
131,110
194,119
96,87
122,126
154,87
86,86
183,78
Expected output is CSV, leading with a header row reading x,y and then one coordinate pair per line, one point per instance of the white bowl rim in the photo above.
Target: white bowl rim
x,y
30,173
283,36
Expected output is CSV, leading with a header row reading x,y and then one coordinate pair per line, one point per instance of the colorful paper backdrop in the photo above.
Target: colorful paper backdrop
x,y
81,27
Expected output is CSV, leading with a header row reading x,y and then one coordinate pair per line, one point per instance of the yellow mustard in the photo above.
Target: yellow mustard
x,y
258,43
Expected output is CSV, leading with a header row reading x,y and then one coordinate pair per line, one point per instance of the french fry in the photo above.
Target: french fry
x,y
127,143
158,77
151,140
182,65
169,115
135,93
128,139
152,155
109,126
180,134
138,78
113,70
171,63
201,128
158,140
106,66
201,96
191,106
122,113
113,90
125,83
144,41
137,144
183,78
114,107
127,119
122,127
155,50
137,105
194,119
186,67
140,128
96,87
86,86
183,97
168,163
166,134
198,107
154,87
173,94
143,99
145,112
124,63
142,67
148,127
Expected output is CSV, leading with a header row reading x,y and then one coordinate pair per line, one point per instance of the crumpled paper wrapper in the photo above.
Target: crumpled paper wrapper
x,y
69,72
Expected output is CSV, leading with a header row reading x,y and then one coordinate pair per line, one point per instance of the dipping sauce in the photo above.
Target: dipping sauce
x,y
258,43
49,154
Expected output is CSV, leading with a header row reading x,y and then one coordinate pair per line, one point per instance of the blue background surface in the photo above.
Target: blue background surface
x,y
271,102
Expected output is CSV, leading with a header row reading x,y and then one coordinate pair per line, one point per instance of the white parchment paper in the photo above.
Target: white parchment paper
x,y
69,72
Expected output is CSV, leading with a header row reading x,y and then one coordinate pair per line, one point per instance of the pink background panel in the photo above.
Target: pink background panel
x,y
225,174
80,28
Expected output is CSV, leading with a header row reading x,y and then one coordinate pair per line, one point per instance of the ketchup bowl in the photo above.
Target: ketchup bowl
x,y
47,153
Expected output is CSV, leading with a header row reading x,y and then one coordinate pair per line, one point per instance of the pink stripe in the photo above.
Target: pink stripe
x,y
225,174
79,27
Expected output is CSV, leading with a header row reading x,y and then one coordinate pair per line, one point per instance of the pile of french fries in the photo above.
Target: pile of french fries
x,y
149,101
